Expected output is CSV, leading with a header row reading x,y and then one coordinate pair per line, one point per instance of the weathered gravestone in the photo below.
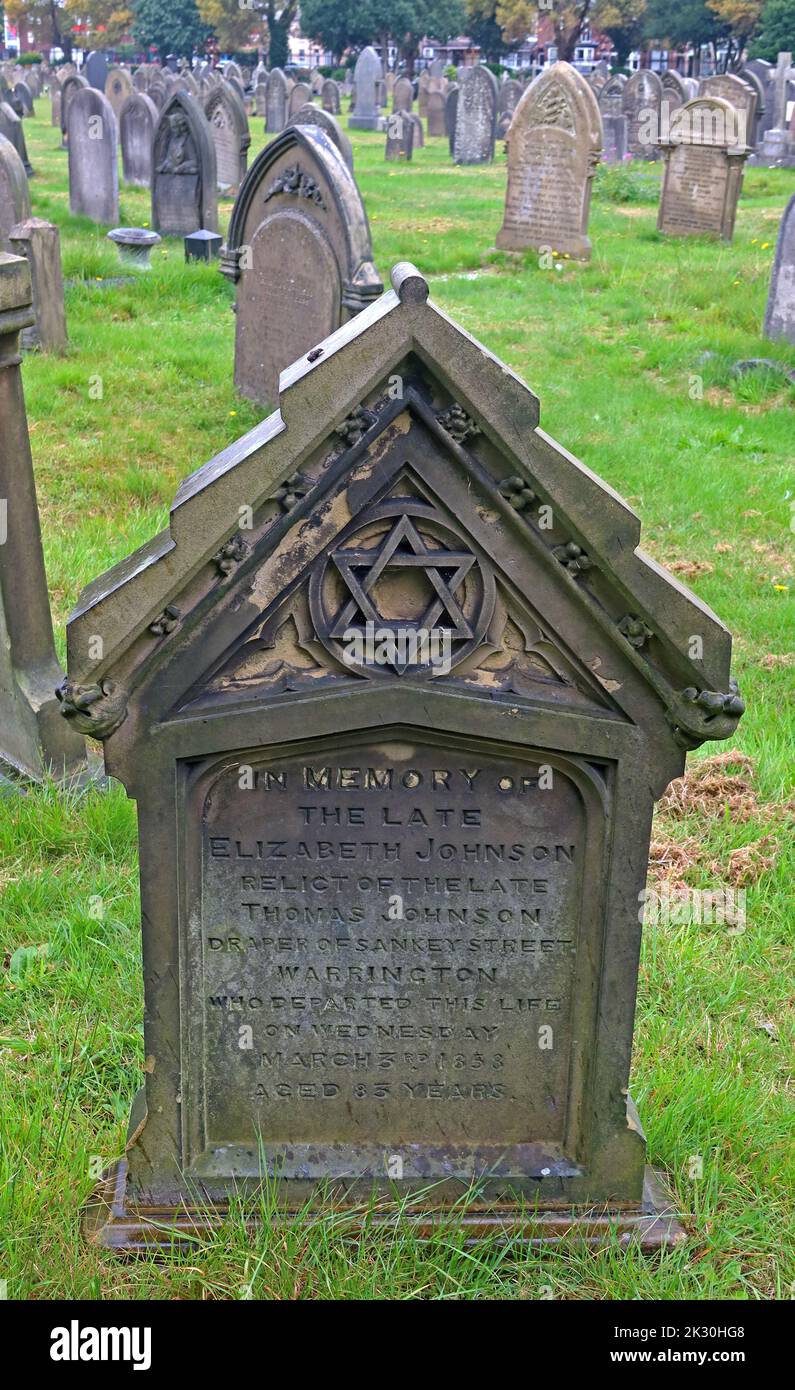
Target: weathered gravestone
x,y
157,93
476,116
260,98
760,110
184,176
300,94
399,136
780,313
423,87
435,108
299,252
230,133
40,243
312,115
777,144
641,104
740,95
14,192
402,95
118,87
554,148
674,91
34,739
55,104
24,97
611,96
11,128
703,170
419,133
366,74
71,84
330,97
395,747
93,157
277,102
137,123
509,96
451,114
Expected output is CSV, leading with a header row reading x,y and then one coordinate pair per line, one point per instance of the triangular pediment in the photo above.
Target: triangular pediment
x,y
404,479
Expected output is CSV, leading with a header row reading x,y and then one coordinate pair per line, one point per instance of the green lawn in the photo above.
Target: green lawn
x,y
615,350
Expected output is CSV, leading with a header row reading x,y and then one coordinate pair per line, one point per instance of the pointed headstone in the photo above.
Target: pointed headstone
x,y
184,175
367,74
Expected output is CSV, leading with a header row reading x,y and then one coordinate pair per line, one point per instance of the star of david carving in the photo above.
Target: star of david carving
x,y
403,548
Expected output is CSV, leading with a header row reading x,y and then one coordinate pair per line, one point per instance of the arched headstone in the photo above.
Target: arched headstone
x,y
93,157
229,128
367,74
14,192
312,115
11,128
96,70
184,176
703,175
299,251
277,102
740,95
476,117
402,95
399,136
642,101
330,97
554,148
300,94
137,122
71,84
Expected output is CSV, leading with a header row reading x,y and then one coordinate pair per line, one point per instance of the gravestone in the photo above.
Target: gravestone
x,y
740,95
95,70
55,104
299,96
435,107
423,87
230,134
184,176
777,145
137,123
509,96
614,136
476,117
611,97
118,86
157,93
312,115
780,312
395,748
418,139
141,79
451,114
554,149
24,96
71,84
402,95
367,73
34,739
316,83
277,102
399,137
674,91
299,252
703,170
760,114
14,192
93,157
40,243
260,99
330,97
641,104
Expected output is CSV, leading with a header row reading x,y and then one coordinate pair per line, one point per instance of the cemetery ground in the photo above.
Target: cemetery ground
x,y
631,356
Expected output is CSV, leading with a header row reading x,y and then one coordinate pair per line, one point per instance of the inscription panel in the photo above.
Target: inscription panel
x,y
386,949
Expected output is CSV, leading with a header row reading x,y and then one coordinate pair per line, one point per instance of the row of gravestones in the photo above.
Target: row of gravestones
x,y
638,112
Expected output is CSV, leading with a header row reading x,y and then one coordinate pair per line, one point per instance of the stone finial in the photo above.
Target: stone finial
x,y
408,284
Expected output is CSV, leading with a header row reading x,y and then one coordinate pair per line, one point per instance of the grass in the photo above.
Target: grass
x,y
631,356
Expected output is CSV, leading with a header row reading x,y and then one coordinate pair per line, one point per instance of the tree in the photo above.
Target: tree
x,y
47,19
623,24
570,18
104,22
483,29
776,30
341,24
739,20
171,26
231,23
674,23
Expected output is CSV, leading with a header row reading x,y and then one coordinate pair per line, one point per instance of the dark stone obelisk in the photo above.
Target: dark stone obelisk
x,y
34,739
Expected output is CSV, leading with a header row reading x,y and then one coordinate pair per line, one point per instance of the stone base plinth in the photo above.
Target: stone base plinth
x,y
111,1222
